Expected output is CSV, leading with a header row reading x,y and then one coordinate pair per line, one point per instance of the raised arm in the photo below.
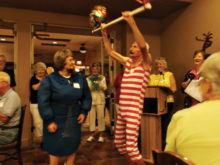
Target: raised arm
x,y
138,38
173,87
109,49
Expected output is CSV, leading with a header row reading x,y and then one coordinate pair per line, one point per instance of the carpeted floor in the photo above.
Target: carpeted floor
x,y
93,153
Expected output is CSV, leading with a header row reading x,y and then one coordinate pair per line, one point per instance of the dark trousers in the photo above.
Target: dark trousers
x,y
165,120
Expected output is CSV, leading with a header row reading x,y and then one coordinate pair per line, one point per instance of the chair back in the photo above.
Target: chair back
x,y
169,158
16,145
19,137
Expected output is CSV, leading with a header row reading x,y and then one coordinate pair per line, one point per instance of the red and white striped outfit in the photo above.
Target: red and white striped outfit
x,y
134,83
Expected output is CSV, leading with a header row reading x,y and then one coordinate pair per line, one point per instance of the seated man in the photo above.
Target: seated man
x,y
10,110
194,132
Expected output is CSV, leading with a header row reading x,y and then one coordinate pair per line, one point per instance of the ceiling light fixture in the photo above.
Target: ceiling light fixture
x,y
3,39
82,48
79,62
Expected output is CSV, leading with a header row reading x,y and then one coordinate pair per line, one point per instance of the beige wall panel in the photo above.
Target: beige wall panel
x,y
178,37
8,51
23,53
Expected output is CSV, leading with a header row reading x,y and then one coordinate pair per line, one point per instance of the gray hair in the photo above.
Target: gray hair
x,y
5,77
60,58
210,69
163,60
39,65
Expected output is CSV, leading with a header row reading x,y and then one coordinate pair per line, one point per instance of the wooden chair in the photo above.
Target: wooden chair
x,y
169,158
16,145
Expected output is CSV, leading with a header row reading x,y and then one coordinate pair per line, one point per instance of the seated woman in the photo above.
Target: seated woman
x,y
164,78
198,59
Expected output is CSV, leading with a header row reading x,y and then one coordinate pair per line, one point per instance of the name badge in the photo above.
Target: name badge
x,y
76,85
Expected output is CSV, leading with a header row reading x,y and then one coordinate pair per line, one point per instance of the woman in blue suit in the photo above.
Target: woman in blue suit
x,y
64,101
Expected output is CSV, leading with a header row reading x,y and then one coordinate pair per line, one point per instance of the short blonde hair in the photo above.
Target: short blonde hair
x,y
60,58
50,70
163,60
210,69
39,65
5,77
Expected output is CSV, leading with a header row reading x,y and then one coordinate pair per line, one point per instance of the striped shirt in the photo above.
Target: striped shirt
x,y
134,83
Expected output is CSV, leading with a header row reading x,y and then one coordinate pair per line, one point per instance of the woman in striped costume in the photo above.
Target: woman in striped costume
x,y
134,83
